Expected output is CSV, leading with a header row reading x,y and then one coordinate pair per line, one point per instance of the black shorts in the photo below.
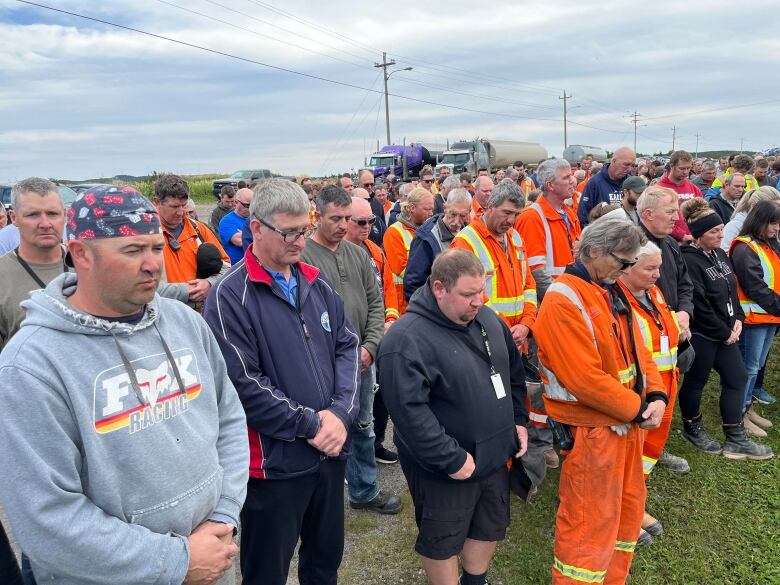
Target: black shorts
x,y
449,512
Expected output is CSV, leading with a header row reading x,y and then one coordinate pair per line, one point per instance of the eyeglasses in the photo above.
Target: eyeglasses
x,y
242,204
623,262
429,181
366,185
288,237
364,221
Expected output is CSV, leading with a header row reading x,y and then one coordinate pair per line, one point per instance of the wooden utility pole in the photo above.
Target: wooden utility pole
x,y
697,145
635,120
674,136
384,65
565,98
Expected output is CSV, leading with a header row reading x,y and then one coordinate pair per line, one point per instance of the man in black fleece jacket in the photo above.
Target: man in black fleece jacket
x,y
455,387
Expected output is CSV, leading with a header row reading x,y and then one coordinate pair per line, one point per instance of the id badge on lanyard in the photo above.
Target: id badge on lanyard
x,y
730,308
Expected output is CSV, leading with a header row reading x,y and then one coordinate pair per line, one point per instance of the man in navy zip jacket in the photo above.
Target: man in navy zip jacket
x,y
293,357
607,186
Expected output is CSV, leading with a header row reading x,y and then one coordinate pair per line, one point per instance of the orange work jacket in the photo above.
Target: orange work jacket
x,y
181,265
397,241
385,278
548,241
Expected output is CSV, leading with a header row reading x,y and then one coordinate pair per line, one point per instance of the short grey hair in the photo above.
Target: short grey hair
x,y
709,165
33,185
451,182
648,249
506,190
512,173
730,179
548,170
652,197
608,236
458,195
274,196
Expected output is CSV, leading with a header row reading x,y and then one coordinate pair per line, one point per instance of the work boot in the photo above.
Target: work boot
x,y
551,459
673,463
752,428
693,431
739,447
757,419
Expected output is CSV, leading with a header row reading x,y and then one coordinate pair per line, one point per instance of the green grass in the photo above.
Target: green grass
x,y
721,522
200,187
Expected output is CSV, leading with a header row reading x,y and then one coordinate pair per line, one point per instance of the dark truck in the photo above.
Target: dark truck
x,y
248,176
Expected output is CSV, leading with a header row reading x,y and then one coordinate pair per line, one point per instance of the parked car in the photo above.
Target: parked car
x,y
68,195
248,176
81,187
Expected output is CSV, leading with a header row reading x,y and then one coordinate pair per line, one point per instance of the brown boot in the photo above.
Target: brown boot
x,y
757,419
551,459
751,428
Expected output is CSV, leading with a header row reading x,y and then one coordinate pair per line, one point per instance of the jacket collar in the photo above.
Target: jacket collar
x,y
257,273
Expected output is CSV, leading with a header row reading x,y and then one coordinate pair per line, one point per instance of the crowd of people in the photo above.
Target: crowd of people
x,y
238,373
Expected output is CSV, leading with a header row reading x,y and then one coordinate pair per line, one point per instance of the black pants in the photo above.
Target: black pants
x,y
9,569
727,361
381,417
279,511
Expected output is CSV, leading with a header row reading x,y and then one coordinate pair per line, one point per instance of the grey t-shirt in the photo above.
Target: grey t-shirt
x,y
15,286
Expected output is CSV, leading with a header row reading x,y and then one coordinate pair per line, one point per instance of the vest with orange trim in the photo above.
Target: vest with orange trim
x,y
770,265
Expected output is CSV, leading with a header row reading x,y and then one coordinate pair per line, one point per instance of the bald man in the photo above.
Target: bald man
x,y
360,192
607,186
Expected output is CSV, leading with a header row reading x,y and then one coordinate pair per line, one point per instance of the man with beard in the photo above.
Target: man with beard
x,y
632,189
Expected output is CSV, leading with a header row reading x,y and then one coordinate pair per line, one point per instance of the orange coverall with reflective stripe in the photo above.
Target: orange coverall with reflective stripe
x,y
397,240
531,228
388,286
665,358
589,374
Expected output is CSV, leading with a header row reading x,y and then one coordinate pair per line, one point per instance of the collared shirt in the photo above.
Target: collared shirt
x,y
290,288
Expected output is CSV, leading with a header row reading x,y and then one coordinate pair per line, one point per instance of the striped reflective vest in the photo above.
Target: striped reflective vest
x,y
385,279
548,240
509,287
770,266
397,241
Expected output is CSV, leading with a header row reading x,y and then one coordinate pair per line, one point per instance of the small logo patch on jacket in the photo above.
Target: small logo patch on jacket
x,y
325,321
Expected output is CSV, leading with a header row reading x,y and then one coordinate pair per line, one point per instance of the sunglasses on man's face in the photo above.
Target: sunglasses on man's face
x,y
364,221
429,181
623,262
366,185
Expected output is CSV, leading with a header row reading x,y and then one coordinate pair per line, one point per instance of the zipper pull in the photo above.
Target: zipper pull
x,y
305,329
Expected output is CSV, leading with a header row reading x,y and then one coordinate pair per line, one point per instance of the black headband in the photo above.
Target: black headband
x,y
704,224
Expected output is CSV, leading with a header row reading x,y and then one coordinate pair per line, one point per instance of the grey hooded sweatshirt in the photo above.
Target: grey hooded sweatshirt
x,y
99,486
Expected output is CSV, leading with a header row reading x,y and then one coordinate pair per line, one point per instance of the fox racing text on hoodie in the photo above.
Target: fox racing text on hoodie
x,y
118,440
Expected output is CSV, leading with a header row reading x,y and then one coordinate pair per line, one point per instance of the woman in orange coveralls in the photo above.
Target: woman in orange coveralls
x,y
660,334
601,381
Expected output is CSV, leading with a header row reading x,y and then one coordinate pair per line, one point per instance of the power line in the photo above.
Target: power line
x,y
256,33
276,67
685,114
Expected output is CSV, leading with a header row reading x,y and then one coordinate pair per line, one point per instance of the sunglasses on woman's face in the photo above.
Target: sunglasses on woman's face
x,y
364,221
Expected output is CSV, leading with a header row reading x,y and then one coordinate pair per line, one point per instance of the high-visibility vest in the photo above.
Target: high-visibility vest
x,y
397,241
384,277
549,258
510,289
770,266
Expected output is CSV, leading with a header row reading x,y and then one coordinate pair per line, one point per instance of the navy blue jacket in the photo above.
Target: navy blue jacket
x,y
424,249
600,189
286,364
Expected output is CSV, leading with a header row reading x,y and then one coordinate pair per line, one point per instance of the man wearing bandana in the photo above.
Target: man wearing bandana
x,y
123,446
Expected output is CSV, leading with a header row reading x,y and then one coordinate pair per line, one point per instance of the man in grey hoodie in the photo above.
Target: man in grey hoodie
x,y
124,449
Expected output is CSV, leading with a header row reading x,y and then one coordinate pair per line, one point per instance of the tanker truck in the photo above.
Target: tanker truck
x,y
391,158
472,155
575,152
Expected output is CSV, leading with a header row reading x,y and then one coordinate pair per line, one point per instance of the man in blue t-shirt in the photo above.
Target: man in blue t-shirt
x,y
230,226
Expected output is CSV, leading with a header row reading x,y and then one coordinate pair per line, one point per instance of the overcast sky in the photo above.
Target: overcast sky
x,y
80,99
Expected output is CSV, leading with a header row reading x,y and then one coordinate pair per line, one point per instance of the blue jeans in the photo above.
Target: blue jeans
x,y
755,343
361,465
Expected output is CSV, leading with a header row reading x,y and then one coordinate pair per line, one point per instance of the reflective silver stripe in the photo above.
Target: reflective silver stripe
x,y
553,387
569,293
578,573
625,546
548,261
407,240
530,296
648,464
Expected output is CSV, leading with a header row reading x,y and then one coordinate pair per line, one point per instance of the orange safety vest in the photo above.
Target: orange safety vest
x,y
510,287
181,265
548,240
385,279
770,265
476,209
588,372
397,241
526,186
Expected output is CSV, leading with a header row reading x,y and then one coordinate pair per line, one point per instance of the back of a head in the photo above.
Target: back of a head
x,y
743,163
451,182
451,264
